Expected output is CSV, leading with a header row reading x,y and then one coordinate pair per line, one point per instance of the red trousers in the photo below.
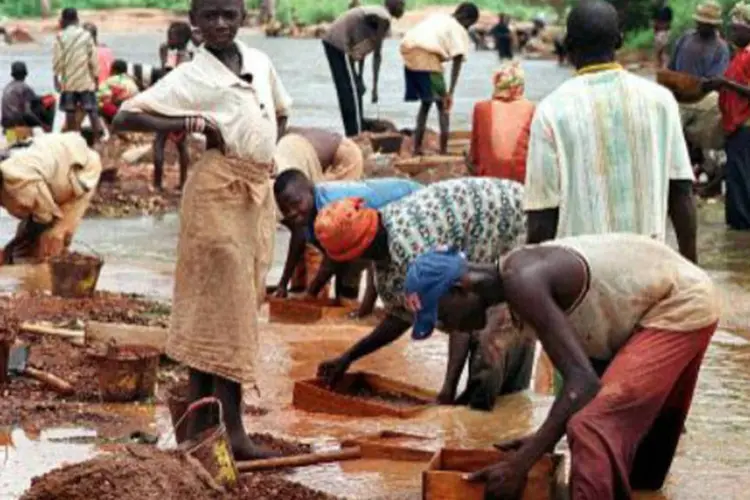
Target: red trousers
x,y
626,437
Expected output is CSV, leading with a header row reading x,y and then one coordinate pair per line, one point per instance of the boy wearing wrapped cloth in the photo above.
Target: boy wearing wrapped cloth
x,y
227,217
628,331
49,186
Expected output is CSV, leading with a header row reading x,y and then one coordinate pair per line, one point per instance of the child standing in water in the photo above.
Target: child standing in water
x,y
172,53
224,245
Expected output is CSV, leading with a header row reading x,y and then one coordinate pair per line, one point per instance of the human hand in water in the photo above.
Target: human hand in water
x,y
332,370
504,480
282,291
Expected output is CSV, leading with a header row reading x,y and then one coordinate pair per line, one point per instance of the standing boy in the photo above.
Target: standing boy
x,y
434,41
76,67
224,244
357,33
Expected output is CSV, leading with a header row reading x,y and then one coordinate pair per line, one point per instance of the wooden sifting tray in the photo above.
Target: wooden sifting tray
x,y
443,479
305,310
362,394
418,164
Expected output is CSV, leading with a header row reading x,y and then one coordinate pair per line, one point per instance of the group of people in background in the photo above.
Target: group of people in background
x,y
719,120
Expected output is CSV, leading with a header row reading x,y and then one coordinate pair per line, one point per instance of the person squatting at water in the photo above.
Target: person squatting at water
x,y
424,48
588,178
115,90
48,185
172,53
22,108
482,216
627,329
75,65
227,215
734,101
500,127
357,33
321,156
300,200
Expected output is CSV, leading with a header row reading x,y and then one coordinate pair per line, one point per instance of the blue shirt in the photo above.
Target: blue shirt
x,y
700,58
377,193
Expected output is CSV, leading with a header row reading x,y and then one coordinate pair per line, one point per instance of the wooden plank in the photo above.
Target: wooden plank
x,y
73,336
306,311
152,336
312,395
300,460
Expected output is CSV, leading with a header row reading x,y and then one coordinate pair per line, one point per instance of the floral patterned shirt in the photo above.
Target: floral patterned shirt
x,y
482,217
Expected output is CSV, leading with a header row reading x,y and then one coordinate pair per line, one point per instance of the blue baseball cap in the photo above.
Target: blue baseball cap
x,y
431,276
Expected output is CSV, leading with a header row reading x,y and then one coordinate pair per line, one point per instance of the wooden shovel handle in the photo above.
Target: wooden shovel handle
x,y
300,460
56,383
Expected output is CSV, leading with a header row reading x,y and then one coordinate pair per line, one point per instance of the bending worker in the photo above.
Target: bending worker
x,y
626,329
48,185
482,216
300,200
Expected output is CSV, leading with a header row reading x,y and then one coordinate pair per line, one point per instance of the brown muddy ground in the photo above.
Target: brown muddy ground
x,y
32,405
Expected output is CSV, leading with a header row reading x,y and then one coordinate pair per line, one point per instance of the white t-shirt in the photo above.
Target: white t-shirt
x,y
438,34
602,149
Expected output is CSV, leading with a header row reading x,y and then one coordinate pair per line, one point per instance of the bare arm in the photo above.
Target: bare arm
x,y
294,256
377,59
542,225
371,294
458,352
530,295
126,121
390,329
682,212
281,125
325,273
458,62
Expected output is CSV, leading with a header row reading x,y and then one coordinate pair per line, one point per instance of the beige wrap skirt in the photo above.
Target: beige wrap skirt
x,y
227,228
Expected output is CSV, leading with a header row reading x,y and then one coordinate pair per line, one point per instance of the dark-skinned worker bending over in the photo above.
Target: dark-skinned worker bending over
x,y
300,200
481,216
225,243
627,329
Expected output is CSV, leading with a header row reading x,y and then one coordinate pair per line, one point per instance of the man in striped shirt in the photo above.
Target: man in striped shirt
x,y
606,151
76,68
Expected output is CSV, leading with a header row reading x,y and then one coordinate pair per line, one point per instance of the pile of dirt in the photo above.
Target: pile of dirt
x,y
279,445
67,312
128,475
141,473
35,416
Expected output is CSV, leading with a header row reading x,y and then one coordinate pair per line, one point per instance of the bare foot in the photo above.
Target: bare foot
x,y
244,449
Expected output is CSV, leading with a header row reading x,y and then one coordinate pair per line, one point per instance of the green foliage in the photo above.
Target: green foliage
x,y
304,11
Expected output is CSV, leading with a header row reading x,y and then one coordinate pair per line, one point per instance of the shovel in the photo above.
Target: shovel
x,y
17,365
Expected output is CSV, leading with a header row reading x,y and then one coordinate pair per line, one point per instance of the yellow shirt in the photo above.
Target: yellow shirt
x,y
54,170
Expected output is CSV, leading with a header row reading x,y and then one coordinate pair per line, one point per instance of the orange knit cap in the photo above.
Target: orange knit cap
x,y
346,228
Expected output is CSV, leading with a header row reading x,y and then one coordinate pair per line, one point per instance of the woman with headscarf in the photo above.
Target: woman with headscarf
x,y
501,125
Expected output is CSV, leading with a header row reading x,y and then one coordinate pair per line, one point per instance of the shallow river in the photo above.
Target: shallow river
x,y
714,454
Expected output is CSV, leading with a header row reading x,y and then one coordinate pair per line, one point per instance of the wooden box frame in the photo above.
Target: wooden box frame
x,y
294,310
312,395
444,477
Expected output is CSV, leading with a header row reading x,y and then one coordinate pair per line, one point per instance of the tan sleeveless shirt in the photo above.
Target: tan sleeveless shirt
x,y
635,282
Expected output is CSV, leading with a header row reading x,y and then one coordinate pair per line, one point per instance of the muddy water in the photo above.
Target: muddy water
x,y
713,457
308,79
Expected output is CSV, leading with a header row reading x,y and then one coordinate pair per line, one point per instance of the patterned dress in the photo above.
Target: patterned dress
x,y
482,217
